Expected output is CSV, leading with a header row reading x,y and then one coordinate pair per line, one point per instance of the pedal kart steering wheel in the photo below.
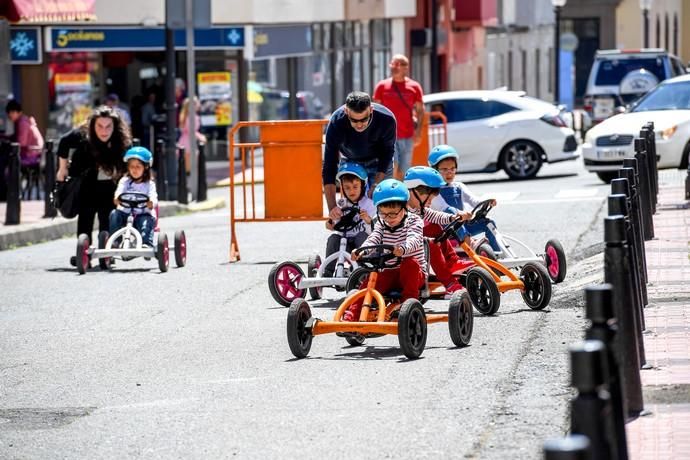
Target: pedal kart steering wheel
x,y
347,221
450,231
378,255
133,199
481,210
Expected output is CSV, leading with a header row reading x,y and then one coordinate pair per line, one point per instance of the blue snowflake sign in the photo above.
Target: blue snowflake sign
x,y
25,45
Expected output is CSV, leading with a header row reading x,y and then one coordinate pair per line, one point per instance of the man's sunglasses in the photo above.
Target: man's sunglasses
x,y
354,121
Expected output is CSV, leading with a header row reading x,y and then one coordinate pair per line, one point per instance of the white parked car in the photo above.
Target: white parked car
x,y
493,130
668,106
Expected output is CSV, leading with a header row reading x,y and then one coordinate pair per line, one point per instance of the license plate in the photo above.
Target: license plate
x,y
603,108
610,153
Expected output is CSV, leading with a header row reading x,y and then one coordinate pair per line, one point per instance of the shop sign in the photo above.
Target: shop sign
x,y
139,39
282,41
215,96
25,45
73,97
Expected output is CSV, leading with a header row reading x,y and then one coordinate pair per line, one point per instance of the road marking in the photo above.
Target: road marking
x,y
555,200
577,192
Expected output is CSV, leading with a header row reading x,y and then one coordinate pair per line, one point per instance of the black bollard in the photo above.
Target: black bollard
x,y
618,205
161,173
50,170
622,186
591,408
628,172
645,215
572,447
687,183
603,326
14,187
202,186
625,344
645,187
653,160
136,142
182,196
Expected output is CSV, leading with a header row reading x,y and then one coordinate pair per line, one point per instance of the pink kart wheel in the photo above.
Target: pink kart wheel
x,y
282,282
554,259
180,248
103,262
313,265
82,253
163,252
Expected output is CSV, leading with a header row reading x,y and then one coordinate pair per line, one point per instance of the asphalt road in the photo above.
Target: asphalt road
x,y
194,363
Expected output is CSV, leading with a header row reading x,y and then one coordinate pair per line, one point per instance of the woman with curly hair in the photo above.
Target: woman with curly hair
x,y
94,151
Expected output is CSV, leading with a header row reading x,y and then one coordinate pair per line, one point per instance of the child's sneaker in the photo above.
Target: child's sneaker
x,y
352,313
452,288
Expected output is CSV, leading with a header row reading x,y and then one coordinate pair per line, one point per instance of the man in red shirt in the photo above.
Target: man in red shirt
x,y
402,96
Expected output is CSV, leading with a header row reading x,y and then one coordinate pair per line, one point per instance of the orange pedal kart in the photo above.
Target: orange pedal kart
x,y
380,314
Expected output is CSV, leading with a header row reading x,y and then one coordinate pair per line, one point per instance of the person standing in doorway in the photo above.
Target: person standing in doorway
x,y
402,96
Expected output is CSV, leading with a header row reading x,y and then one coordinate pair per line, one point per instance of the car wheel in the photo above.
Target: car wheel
x,y
521,159
685,158
607,176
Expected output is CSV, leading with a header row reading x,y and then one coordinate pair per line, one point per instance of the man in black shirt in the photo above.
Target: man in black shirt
x,y
361,132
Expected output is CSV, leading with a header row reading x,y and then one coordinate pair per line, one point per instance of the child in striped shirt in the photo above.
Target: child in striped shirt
x,y
424,184
403,230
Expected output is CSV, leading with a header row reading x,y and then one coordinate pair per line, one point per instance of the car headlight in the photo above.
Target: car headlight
x,y
666,133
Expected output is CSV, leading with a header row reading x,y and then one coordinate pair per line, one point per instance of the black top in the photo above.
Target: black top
x,y
87,156
377,142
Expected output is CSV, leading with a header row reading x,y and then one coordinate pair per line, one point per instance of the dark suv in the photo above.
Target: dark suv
x,y
619,77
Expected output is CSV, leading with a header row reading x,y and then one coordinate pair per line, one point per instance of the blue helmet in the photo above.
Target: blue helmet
x,y
441,152
140,153
352,168
423,175
390,191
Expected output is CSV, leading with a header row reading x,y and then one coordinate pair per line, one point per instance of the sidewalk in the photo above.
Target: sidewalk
x,y
34,228
665,433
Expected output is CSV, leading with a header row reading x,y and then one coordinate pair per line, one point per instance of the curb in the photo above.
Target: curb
x,y
59,227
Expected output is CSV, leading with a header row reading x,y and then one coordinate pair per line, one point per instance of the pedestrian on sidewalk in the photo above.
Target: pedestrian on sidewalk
x,y
94,151
26,134
359,132
402,96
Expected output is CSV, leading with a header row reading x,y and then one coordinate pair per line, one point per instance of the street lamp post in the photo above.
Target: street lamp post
x,y
645,6
557,6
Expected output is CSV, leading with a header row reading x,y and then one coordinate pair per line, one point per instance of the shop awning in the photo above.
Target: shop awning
x,y
47,10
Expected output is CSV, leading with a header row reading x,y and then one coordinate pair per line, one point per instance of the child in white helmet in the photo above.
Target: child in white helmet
x,y
353,179
137,180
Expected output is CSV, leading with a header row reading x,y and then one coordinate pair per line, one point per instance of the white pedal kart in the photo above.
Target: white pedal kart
x,y
286,280
130,243
515,254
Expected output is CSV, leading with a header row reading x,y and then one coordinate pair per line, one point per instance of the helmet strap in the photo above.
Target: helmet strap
x,y
422,204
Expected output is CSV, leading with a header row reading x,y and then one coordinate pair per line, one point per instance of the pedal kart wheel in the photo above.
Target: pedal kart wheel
x,y
282,282
163,252
483,291
82,253
537,293
485,250
103,262
355,340
356,278
313,265
554,258
412,328
298,334
460,318
180,248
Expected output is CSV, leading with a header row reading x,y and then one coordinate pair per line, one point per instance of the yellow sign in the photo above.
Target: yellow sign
x,y
72,79
64,38
215,95
213,77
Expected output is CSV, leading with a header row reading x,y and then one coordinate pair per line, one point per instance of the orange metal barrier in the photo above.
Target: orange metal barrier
x,y
437,134
285,145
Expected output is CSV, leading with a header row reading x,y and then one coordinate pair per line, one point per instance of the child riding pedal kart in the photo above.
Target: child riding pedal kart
x,y
286,280
395,257
457,196
133,223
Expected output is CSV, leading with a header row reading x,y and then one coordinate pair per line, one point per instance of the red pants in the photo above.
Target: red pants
x,y
408,277
442,255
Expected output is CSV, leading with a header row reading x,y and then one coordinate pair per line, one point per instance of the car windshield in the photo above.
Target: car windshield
x,y
668,96
612,71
